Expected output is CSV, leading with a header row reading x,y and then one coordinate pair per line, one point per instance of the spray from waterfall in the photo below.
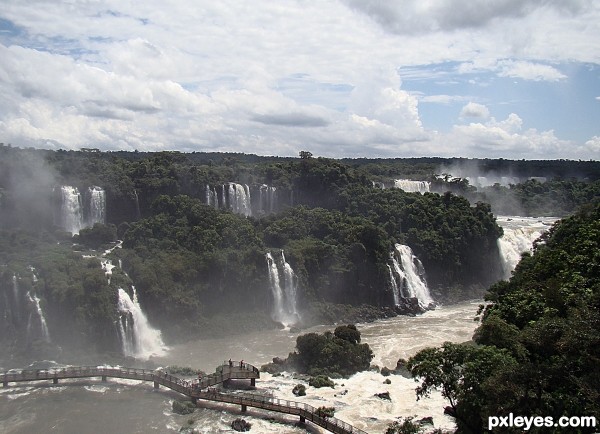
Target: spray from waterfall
x,y
138,338
285,308
407,276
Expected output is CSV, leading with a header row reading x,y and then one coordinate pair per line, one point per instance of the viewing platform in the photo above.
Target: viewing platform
x,y
202,388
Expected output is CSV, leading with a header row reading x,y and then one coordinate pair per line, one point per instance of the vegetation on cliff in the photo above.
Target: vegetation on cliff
x,y
536,351
199,270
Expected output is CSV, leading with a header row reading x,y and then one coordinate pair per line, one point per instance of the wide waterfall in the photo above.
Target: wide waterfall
x,y
138,338
76,213
411,186
71,209
518,238
407,277
284,297
97,206
234,196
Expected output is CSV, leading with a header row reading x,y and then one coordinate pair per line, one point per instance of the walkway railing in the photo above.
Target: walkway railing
x,y
196,389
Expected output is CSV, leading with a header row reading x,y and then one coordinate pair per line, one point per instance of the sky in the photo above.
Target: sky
x,y
517,79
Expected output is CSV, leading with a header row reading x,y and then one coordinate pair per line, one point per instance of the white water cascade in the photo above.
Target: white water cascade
x,y
212,199
411,186
239,199
267,199
407,277
234,196
284,297
37,321
71,209
16,292
138,338
97,206
518,238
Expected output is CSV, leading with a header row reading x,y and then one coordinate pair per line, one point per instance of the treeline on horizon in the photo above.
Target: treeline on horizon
x,y
196,268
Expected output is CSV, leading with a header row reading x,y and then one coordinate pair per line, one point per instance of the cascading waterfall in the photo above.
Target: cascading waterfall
x,y
97,206
212,198
71,209
15,285
37,320
408,276
234,196
395,289
518,238
284,298
138,338
411,186
267,199
239,199
136,200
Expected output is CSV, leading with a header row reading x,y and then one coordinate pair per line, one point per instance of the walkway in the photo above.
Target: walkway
x,y
197,389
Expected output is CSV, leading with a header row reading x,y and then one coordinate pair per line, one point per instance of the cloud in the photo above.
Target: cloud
x,y
416,16
270,78
496,139
594,145
475,110
291,120
529,71
442,99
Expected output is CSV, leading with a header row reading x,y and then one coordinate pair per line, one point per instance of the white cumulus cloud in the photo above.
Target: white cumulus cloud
x,y
475,110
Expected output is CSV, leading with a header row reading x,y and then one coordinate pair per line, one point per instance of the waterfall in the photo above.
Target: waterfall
x,y
234,196
284,310
395,289
408,276
239,199
212,198
267,199
518,238
71,209
411,186
36,317
97,206
136,200
15,285
138,338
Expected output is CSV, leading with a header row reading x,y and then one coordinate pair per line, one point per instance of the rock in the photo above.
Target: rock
x,y
278,361
241,425
299,390
384,395
401,369
183,407
426,421
387,381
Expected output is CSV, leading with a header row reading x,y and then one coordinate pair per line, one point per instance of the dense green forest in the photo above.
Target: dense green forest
x,y
196,261
537,349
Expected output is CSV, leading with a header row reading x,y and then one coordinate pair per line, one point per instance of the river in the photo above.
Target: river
x,y
124,406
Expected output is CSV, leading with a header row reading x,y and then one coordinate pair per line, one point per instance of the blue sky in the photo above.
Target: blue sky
x,y
341,78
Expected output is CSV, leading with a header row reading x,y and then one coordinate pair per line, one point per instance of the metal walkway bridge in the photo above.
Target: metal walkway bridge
x,y
201,388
